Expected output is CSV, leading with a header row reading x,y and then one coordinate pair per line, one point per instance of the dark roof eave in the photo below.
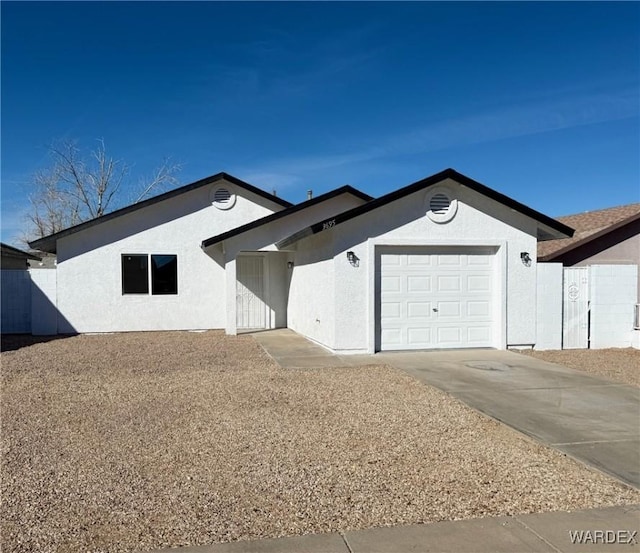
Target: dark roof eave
x,y
596,235
16,253
48,243
347,189
452,174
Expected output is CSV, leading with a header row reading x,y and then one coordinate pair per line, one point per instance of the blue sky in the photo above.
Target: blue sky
x,y
540,101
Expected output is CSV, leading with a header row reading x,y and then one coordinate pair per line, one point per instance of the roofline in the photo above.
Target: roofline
x,y
419,185
48,243
15,252
590,238
347,189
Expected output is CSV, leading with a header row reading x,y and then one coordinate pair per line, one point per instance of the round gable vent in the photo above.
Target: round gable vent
x,y
223,197
441,206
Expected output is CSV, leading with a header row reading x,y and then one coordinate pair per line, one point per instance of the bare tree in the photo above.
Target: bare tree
x,y
76,188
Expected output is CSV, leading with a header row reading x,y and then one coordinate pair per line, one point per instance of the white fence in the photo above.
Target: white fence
x,y
576,307
16,301
28,301
586,307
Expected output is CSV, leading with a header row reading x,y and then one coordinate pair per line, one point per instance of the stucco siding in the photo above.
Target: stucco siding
x,y
265,236
478,221
311,310
90,295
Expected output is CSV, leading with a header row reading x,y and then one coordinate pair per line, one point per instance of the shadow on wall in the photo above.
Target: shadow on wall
x,y
38,311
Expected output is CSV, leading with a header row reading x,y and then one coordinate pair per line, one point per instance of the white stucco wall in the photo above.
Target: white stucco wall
x,y
90,295
44,309
549,306
311,311
266,236
479,221
263,238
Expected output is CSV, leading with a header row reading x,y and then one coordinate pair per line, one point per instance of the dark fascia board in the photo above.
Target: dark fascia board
x,y
595,236
15,252
347,189
48,243
419,185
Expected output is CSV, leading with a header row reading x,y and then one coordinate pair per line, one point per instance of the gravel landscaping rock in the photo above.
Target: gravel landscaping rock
x,y
618,364
139,441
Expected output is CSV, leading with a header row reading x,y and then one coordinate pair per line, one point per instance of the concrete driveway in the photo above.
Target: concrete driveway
x,y
597,421
594,420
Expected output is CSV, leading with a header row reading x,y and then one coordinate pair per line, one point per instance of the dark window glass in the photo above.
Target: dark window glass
x,y
164,274
135,274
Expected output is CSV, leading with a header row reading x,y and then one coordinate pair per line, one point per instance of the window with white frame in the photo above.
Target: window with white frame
x,y
144,273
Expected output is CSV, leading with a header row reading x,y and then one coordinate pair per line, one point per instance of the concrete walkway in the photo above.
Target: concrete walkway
x,y
619,526
594,420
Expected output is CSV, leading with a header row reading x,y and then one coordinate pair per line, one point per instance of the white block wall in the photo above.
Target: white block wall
x,y
15,302
613,294
44,311
549,306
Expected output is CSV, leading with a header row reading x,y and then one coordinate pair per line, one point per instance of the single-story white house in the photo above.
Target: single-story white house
x,y
445,262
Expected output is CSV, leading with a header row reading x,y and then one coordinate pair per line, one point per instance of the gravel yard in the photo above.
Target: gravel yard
x,y
621,365
145,440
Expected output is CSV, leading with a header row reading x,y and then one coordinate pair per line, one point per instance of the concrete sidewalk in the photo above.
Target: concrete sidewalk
x,y
612,529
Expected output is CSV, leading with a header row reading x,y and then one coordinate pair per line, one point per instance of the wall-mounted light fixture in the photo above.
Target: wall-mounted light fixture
x,y
353,259
525,258
289,264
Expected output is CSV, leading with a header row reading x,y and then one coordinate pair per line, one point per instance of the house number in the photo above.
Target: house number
x,y
328,224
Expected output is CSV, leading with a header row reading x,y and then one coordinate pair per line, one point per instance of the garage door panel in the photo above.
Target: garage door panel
x,y
391,310
418,284
449,336
392,337
479,260
477,309
448,260
390,260
420,336
419,260
419,309
479,283
478,335
448,309
449,283
390,284
436,300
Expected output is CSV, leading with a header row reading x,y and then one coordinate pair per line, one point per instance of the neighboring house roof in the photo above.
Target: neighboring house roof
x,y
48,243
589,226
552,228
285,212
10,251
46,261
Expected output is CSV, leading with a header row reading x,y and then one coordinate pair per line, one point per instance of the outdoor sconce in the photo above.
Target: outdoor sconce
x,y
289,264
525,258
353,259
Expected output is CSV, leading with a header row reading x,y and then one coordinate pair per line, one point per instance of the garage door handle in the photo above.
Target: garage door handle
x,y
435,309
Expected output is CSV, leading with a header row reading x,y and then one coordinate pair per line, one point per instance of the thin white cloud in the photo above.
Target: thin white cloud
x,y
491,126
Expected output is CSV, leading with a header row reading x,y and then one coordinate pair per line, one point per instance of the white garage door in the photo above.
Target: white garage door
x,y
436,300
